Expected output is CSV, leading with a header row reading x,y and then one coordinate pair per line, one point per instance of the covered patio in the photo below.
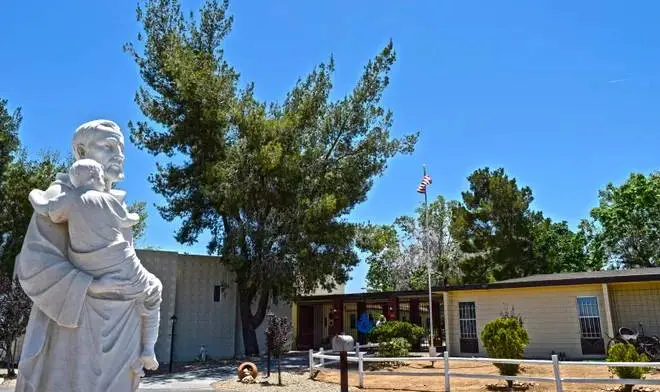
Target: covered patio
x,y
321,317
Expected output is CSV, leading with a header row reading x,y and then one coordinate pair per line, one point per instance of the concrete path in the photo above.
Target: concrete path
x,y
201,379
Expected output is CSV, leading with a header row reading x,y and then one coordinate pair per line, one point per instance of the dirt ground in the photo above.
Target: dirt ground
x,y
382,383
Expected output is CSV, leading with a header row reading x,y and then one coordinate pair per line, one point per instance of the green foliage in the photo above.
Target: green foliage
x,y
506,338
15,308
626,223
22,175
502,238
624,352
396,254
390,330
394,348
270,182
18,176
381,243
9,125
556,248
140,208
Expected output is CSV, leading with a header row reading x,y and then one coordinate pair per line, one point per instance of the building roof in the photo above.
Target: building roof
x,y
542,280
637,273
569,278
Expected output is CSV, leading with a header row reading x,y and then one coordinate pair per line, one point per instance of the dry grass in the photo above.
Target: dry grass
x,y
381,383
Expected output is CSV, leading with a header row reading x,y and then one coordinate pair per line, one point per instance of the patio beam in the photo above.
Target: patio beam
x,y
445,303
608,310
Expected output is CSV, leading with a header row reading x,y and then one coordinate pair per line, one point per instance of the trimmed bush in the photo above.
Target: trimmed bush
x,y
624,352
505,338
397,347
390,330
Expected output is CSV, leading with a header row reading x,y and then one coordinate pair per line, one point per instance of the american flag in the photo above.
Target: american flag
x,y
426,180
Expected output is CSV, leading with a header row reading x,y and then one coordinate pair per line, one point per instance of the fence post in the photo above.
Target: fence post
x,y
322,359
555,370
357,348
361,369
447,384
311,362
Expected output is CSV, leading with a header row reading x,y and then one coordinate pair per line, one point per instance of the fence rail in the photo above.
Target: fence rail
x,y
360,359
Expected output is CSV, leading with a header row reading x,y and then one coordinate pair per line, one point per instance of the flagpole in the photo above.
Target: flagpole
x,y
428,266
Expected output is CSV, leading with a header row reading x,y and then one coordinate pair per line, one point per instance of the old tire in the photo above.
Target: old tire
x,y
247,368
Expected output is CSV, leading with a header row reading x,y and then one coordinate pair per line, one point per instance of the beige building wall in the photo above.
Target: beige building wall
x,y
634,303
549,314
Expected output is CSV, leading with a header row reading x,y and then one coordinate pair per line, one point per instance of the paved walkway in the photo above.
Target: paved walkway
x,y
201,379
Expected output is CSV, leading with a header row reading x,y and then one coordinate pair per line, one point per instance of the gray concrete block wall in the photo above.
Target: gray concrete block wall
x,y
201,320
164,266
282,309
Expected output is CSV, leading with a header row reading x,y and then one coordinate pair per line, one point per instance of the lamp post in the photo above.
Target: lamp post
x,y
270,315
173,318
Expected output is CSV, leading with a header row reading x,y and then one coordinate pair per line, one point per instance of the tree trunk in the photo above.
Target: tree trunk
x,y
250,343
279,370
249,321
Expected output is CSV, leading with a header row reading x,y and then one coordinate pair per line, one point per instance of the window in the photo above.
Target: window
x,y
467,316
216,293
590,330
589,317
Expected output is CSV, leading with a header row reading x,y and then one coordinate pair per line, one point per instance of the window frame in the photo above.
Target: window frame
x,y
468,338
584,335
591,344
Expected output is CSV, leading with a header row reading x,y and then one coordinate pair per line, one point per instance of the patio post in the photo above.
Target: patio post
x,y
446,369
445,302
608,311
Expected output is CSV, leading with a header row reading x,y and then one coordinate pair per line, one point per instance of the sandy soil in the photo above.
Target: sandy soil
x,y
381,383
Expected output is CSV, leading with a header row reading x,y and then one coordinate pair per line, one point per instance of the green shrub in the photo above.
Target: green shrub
x,y
623,352
505,337
389,330
397,347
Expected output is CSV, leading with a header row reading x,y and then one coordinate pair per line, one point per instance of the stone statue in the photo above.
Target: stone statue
x,y
94,322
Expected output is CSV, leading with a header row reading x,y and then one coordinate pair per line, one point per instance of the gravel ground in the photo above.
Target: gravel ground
x,y
293,382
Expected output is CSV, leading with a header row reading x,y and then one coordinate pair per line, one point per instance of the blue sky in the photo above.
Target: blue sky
x,y
562,94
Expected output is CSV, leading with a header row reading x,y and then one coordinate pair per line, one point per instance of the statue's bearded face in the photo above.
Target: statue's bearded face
x,y
107,148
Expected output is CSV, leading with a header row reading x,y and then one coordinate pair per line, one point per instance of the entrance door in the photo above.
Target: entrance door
x,y
305,327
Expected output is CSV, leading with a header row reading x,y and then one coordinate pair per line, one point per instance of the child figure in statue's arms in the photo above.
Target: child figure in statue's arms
x,y
95,219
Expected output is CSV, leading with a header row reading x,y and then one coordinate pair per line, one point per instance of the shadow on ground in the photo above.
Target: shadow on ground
x,y
212,371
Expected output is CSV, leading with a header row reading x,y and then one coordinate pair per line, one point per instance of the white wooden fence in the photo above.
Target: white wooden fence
x,y
556,379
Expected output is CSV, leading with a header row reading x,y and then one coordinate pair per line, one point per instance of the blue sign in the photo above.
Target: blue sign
x,y
364,325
